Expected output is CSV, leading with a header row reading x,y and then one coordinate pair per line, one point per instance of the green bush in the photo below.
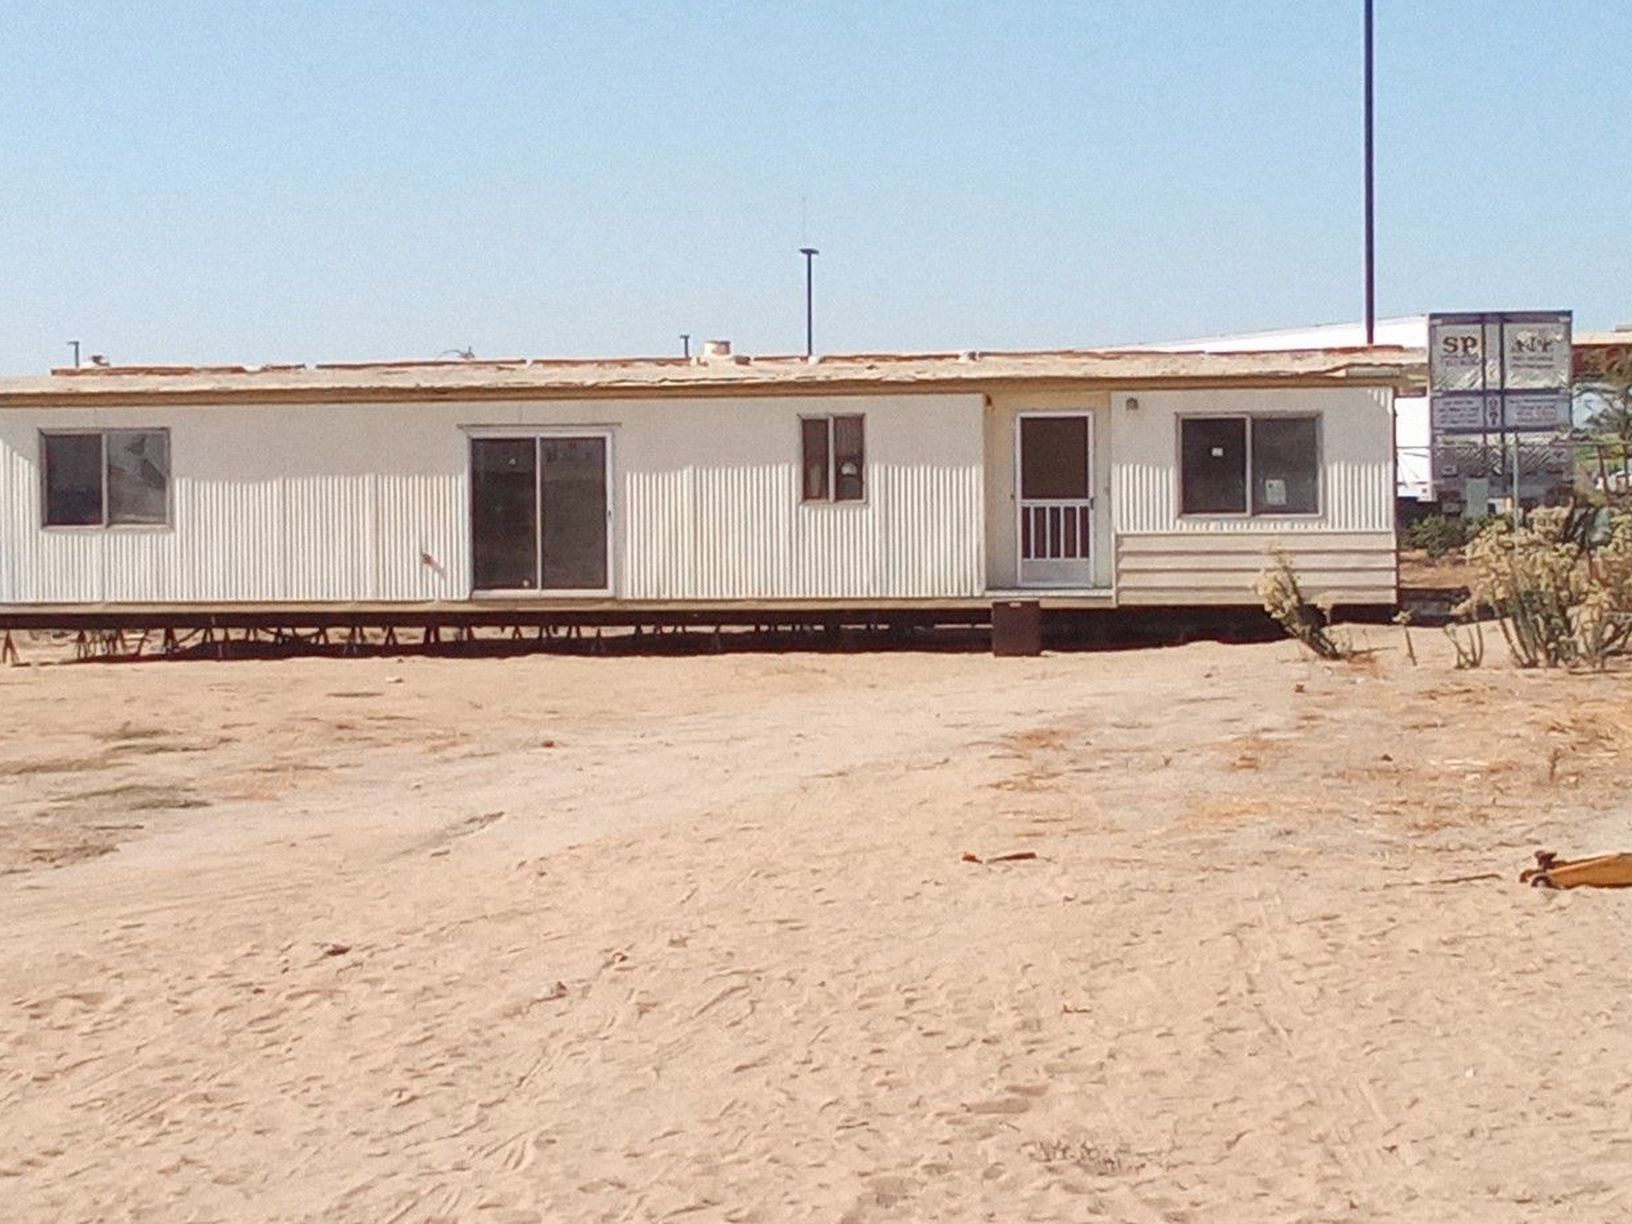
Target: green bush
x,y
1440,535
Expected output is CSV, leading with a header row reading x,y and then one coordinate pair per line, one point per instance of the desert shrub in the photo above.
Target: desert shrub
x,y
1469,643
1439,535
1285,601
1560,584
1603,622
1402,618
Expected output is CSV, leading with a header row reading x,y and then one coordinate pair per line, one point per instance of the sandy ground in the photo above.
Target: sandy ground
x,y
692,938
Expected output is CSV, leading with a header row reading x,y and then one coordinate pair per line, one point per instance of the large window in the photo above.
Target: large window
x,y
833,458
1249,465
110,478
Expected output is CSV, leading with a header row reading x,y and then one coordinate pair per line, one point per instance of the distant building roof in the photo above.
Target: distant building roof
x,y
1403,331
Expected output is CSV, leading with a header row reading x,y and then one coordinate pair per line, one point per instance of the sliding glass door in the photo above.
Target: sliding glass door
x,y
539,513
504,513
572,504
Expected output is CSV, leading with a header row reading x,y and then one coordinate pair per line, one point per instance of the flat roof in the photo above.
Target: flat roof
x,y
851,373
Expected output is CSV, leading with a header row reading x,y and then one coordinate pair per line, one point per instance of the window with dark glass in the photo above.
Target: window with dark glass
x,y
504,513
833,458
138,463
849,459
73,480
1285,465
572,503
116,477
1213,457
817,457
1249,465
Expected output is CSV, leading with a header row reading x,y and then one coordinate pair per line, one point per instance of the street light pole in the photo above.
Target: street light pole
x,y
810,254
1371,199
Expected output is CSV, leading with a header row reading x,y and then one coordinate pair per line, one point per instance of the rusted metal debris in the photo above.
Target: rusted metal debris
x,y
1019,856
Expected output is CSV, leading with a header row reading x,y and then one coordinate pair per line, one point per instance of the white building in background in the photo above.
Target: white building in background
x,y
1087,479
1412,432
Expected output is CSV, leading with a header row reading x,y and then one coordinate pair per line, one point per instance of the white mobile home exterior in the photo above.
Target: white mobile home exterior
x,y
371,502
356,484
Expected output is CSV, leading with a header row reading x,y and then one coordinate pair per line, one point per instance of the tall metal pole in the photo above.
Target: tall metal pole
x,y
74,344
1501,357
685,344
810,254
1484,408
1371,200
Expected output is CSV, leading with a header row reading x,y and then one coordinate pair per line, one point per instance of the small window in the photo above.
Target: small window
x,y
833,458
1249,465
120,477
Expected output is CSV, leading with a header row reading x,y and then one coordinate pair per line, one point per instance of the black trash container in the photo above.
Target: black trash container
x,y
1017,628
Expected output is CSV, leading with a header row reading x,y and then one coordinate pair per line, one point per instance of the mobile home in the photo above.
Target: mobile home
x,y
1082,479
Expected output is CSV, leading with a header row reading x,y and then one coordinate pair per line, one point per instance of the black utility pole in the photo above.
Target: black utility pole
x,y
810,254
1371,201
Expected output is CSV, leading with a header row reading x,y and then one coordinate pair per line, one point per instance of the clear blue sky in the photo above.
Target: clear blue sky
x,y
264,182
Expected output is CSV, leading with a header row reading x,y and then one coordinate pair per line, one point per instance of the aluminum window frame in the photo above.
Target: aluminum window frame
x,y
537,434
1248,514
101,433
833,498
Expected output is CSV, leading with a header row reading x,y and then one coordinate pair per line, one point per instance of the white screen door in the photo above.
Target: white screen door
x,y
1054,473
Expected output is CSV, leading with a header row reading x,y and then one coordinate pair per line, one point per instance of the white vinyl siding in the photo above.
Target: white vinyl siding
x,y
365,502
1357,457
1346,550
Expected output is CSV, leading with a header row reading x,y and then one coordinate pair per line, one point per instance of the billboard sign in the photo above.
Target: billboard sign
x,y
1456,353
1499,373
1536,411
1498,390
1536,353
1493,413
